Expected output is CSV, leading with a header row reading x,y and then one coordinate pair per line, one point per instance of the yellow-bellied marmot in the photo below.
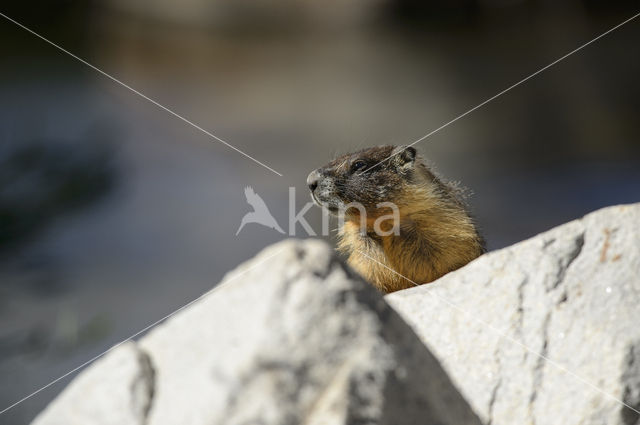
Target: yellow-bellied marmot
x,y
433,236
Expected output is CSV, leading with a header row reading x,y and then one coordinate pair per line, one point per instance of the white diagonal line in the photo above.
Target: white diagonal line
x,y
577,49
157,322
260,163
175,114
504,335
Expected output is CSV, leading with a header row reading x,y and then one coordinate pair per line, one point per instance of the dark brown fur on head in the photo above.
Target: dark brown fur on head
x,y
369,176
436,233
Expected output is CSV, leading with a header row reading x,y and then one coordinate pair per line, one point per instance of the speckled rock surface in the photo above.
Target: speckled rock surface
x,y
546,331
291,337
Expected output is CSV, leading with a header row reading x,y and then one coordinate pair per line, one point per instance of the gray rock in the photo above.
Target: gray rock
x,y
116,390
546,331
291,337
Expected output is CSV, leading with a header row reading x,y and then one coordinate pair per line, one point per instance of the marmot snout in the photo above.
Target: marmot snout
x,y
434,234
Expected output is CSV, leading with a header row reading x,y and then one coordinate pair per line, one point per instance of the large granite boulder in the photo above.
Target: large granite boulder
x,y
546,331
291,337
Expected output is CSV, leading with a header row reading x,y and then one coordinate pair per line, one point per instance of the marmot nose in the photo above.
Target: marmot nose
x,y
312,180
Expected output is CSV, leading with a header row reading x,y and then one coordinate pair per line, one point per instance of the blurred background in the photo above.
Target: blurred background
x,y
113,213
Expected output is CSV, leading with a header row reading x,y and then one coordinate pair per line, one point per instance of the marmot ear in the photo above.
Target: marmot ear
x,y
405,155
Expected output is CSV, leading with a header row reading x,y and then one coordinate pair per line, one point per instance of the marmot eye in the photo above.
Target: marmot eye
x,y
358,165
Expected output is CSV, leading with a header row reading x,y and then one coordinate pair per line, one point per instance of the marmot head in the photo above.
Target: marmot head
x,y
367,177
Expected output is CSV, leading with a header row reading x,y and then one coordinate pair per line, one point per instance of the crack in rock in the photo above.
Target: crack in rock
x,y
520,308
496,387
492,401
538,370
143,387
565,261
631,382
